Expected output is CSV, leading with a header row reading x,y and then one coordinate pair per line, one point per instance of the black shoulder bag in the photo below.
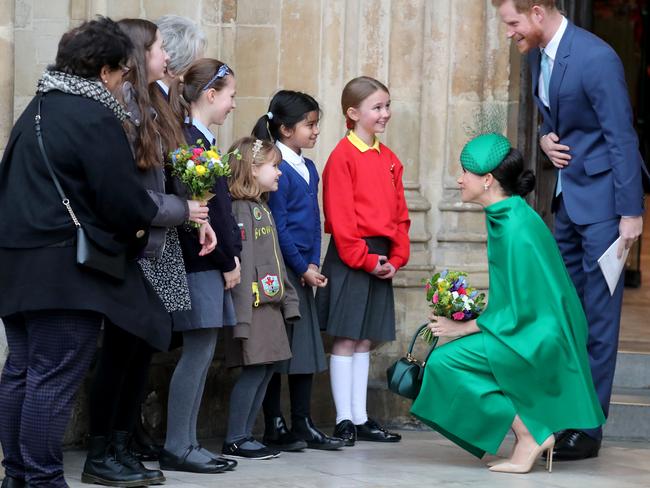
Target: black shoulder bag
x,y
89,255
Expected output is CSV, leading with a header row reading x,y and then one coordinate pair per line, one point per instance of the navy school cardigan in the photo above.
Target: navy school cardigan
x,y
297,217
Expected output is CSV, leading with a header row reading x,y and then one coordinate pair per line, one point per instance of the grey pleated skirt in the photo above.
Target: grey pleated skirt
x,y
355,304
212,305
307,353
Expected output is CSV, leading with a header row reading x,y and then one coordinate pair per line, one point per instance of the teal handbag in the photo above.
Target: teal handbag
x,y
405,376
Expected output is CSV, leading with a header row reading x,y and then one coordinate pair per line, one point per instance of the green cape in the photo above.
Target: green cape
x,y
531,355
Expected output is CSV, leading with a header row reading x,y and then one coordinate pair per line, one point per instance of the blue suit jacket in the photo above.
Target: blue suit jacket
x,y
590,112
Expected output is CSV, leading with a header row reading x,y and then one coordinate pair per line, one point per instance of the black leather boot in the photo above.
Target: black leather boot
x,y
103,468
142,444
304,428
278,436
124,455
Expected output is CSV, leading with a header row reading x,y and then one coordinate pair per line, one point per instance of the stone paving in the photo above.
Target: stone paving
x,y
422,459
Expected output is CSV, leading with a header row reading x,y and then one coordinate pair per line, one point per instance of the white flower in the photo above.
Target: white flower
x,y
467,306
454,294
190,165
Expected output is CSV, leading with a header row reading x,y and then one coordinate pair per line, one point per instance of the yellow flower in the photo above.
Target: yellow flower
x,y
213,155
200,169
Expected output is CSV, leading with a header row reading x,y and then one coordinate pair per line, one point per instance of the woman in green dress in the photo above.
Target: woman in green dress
x,y
523,363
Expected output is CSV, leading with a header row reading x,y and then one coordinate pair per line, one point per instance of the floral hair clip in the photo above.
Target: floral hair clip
x,y
222,72
257,147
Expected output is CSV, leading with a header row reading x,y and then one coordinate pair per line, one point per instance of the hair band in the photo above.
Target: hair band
x,y
269,115
222,72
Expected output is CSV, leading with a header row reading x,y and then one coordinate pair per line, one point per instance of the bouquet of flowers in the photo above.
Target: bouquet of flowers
x,y
450,296
198,168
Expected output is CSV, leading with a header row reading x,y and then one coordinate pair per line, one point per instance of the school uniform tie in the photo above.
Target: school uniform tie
x,y
545,67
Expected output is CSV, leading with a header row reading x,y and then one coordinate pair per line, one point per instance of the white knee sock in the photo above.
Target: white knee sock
x,y
341,380
360,368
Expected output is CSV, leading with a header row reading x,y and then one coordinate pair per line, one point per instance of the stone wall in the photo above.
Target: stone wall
x,y
442,59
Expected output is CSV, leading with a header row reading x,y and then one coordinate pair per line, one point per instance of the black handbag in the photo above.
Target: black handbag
x,y
405,376
89,255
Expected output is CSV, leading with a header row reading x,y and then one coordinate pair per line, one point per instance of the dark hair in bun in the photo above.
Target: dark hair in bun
x,y
511,175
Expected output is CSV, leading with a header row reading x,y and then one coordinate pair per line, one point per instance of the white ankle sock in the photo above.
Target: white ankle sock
x,y
360,368
341,381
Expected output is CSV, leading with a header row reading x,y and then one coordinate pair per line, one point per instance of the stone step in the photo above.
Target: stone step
x,y
629,415
632,370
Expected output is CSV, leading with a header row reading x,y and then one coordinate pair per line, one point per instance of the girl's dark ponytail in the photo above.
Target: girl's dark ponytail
x,y
287,108
261,129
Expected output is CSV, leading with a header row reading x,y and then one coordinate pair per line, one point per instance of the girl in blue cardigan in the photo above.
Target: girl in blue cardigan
x,y
292,123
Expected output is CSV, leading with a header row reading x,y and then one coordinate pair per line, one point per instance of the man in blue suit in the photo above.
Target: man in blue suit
x,y
587,133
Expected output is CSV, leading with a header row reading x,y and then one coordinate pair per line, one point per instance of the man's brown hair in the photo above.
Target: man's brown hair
x,y
526,5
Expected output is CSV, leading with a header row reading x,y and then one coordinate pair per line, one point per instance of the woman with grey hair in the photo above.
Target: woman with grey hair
x,y
184,42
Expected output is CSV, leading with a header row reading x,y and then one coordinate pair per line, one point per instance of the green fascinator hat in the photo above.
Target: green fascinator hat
x,y
484,153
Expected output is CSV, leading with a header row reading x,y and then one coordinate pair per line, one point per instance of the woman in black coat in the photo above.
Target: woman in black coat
x,y
53,308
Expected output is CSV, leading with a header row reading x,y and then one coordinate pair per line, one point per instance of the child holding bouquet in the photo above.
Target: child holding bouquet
x,y
264,299
366,214
209,88
123,366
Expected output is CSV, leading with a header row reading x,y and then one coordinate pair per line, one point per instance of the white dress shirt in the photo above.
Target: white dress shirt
x,y
296,161
551,52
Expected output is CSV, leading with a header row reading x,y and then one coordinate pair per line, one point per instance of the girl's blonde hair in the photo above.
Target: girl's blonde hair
x,y
355,92
242,183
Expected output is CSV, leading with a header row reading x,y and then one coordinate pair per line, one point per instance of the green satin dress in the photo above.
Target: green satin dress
x,y
530,357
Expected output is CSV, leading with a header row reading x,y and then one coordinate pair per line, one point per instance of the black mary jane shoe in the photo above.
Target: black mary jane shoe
x,y
278,436
11,482
372,431
346,431
575,445
235,449
304,428
232,464
171,462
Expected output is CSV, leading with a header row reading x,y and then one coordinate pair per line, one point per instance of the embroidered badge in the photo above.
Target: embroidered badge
x,y
257,213
242,231
270,285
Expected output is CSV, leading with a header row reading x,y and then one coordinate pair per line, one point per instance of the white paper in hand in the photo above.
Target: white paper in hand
x,y
611,266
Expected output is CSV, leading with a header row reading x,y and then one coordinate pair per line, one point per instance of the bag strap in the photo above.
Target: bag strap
x,y
409,353
39,136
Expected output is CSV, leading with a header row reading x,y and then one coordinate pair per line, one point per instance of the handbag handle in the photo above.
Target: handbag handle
x,y
409,354
39,135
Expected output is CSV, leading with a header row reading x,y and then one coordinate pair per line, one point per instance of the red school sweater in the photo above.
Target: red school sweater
x,y
363,196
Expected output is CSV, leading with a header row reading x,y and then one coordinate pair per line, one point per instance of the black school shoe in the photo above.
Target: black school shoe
x,y
346,431
235,449
374,432
278,436
171,462
304,428
232,464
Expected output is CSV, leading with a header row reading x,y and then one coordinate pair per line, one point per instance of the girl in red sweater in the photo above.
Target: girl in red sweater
x,y
366,215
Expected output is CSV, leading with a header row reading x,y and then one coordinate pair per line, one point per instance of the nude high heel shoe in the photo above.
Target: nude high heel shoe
x,y
509,467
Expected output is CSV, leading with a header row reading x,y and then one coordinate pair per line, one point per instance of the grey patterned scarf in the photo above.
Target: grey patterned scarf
x,y
76,85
